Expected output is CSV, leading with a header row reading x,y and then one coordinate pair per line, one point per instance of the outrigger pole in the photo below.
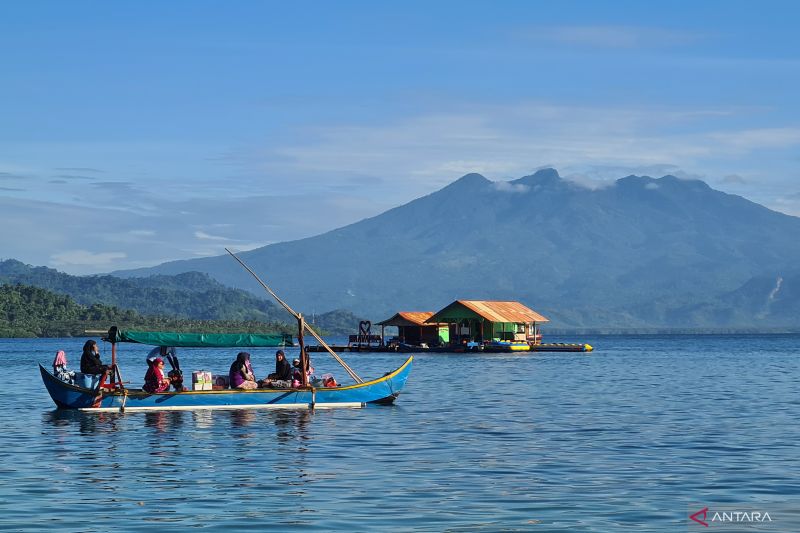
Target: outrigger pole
x,y
302,324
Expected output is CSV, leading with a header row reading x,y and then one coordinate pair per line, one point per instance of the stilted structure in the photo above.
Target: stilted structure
x,y
501,324
413,330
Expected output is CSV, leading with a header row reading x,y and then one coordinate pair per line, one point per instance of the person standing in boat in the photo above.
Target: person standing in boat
x,y
154,379
241,373
160,351
90,359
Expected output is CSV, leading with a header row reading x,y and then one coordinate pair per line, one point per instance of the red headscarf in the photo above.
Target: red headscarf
x,y
154,374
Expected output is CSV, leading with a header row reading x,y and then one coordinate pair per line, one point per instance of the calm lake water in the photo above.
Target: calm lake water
x,y
627,438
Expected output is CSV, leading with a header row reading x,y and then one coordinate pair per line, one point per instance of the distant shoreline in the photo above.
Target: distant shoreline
x,y
668,331
548,334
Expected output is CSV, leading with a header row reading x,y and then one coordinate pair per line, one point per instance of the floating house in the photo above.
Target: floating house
x,y
413,328
462,326
485,321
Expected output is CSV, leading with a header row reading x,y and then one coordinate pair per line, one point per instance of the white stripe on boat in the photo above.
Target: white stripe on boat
x,y
329,405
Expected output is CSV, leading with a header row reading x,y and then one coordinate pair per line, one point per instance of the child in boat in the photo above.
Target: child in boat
x,y
282,377
154,379
60,368
176,374
297,373
241,373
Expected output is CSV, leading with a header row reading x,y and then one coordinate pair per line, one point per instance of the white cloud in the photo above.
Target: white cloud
x,y
504,186
505,141
205,236
753,139
72,258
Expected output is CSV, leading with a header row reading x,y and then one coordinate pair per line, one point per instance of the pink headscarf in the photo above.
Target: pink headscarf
x,y
61,359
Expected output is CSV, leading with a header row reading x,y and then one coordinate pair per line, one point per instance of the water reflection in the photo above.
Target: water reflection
x,y
241,418
87,423
163,421
203,418
291,425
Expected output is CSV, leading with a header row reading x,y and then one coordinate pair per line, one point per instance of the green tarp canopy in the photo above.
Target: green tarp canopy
x,y
201,340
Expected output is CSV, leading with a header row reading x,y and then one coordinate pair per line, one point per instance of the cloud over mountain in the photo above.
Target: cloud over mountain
x,y
642,252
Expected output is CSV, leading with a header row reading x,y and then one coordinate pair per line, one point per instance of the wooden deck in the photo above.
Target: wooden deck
x,y
546,347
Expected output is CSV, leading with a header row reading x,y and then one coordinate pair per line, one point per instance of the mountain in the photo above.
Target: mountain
x,y
642,252
27,311
189,295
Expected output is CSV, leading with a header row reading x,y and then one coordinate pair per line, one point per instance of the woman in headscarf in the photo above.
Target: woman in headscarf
x,y
154,379
90,359
60,367
241,373
282,377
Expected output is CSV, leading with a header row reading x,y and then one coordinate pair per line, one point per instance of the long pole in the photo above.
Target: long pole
x,y
303,323
303,357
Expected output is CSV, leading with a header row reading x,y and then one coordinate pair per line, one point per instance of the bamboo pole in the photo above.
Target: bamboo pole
x,y
303,356
298,317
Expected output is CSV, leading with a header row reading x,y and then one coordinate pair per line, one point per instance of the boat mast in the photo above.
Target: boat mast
x,y
303,356
303,324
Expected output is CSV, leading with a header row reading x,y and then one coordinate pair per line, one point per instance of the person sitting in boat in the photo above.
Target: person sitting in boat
x,y
60,368
297,373
241,373
282,377
90,359
176,374
154,379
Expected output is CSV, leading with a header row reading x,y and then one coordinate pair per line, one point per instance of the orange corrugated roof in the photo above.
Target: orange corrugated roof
x,y
408,318
417,317
503,311
495,311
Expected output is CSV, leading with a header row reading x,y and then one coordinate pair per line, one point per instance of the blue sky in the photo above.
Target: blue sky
x,y
136,133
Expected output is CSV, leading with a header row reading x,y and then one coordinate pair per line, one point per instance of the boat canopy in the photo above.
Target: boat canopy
x,y
201,340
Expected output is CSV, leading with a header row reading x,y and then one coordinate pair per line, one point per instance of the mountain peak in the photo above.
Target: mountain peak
x,y
690,182
665,181
545,176
472,180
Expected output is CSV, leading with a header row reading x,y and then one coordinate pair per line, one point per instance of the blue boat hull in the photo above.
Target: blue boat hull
x,y
382,390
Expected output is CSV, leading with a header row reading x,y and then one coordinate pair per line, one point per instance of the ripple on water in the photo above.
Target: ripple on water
x,y
623,439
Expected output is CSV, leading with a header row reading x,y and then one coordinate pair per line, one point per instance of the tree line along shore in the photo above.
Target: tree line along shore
x,y
27,311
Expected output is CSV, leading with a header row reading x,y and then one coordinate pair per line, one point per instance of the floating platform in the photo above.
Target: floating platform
x,y
347,348
561,347
405,348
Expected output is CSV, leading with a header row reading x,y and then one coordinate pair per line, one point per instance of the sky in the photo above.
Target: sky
x,y
134,133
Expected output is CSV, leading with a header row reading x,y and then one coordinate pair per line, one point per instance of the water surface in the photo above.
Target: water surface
x,y
623,439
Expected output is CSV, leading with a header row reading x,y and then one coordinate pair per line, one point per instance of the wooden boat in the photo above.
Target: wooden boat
x,y
383,390
115,396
